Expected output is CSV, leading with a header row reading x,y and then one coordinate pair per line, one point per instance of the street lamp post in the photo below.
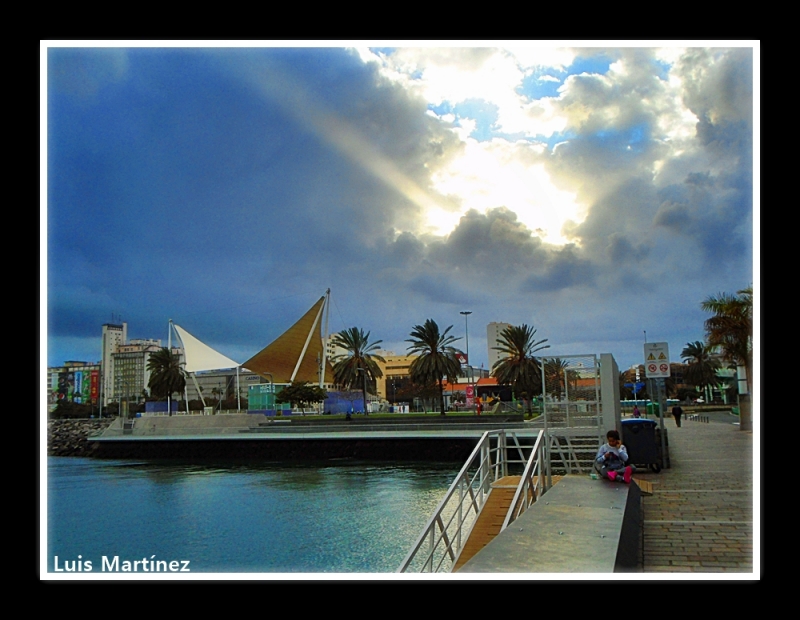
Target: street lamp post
x,y
466,314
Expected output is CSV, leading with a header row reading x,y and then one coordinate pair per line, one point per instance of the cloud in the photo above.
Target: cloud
x,y
231,188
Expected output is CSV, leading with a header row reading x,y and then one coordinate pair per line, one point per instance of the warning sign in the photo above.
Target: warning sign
x,y
656,357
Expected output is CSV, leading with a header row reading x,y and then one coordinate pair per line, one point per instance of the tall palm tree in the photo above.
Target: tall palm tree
x,y
554,375
359,364
731,328
519,367
166,374
702,368
436,356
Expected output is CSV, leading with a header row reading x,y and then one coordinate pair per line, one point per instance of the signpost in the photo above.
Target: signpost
x,y
656,360
656,366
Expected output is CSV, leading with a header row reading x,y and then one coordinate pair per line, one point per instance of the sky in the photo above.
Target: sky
x,y
597,191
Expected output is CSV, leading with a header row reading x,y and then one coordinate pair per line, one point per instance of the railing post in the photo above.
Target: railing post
x,y
504,456
548,469
431,543
460,513
486,456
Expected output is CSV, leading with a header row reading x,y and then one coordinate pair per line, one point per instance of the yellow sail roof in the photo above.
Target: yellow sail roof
x,y
294,355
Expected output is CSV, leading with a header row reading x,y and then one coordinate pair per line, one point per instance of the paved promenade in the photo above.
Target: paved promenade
x,y
699,518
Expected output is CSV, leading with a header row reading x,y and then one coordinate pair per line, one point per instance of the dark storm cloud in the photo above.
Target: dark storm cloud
x,y
674,216
487,249
622,250
714,212
495,239
206,189
562,268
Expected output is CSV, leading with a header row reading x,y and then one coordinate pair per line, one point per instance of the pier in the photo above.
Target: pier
x,y
696,516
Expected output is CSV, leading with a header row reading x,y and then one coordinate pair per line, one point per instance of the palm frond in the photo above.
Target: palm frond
x,y
519,367
436,356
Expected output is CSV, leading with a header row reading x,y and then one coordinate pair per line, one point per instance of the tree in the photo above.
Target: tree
x,y
731,328
409,391
166,374
300,393
625,393
519,367
360,364
701,369
436,357
554,375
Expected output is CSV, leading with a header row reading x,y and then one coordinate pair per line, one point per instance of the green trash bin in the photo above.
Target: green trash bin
x,y
652,409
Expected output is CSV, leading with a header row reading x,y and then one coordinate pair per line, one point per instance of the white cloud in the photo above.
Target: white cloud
x,y
500,173
543,55
489,74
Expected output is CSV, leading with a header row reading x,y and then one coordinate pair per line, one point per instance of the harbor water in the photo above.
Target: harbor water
x,y
237,517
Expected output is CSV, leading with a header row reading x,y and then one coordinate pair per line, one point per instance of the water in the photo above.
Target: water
x,y
229,517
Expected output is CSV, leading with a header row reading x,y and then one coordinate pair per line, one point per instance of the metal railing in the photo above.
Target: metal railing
x,y
535,481
443,538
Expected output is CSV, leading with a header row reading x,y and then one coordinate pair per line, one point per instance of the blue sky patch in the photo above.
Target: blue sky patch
x,y
442,108
663,69
599,64
484,113
536,86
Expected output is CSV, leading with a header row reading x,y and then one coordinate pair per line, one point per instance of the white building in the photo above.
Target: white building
x,y
114,335
131,375
331,350
493,331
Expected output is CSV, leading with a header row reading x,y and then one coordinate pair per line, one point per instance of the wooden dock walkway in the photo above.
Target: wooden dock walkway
x,y
491,517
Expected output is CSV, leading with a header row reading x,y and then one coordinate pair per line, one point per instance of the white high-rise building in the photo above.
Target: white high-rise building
x,y
114,335
493,331
331,350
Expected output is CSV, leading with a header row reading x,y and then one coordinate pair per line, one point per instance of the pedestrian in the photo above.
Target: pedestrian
x,y
636,412
677,412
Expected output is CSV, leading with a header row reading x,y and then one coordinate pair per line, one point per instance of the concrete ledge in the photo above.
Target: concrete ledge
x,y
579,526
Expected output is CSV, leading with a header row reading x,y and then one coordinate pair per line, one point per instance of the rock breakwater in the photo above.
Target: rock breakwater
x,y
68,437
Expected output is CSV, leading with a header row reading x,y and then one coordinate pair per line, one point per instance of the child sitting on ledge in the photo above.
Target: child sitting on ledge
x,y
612,459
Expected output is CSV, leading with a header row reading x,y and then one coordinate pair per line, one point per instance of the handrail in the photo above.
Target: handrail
x,y
532,485
443,538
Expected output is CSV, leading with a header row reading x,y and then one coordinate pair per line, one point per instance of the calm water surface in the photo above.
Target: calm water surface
x,y
332,517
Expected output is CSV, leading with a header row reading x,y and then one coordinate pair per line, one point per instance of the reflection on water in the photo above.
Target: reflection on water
x,y
231,516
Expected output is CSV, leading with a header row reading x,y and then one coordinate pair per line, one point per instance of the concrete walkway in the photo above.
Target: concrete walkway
x,y
699,518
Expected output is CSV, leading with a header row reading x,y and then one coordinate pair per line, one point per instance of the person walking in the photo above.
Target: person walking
x,y
636,412
677,412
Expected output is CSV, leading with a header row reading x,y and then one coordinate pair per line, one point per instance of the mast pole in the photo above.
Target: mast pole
x,y
325,340
238,392
169,350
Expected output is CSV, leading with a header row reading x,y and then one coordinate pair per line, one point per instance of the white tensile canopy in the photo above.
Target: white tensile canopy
x,y
199,357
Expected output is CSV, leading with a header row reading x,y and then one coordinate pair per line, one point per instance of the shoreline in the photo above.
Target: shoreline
x,y
69,436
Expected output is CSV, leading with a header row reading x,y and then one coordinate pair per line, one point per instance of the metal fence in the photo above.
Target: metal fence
x,y
571,411
442,540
